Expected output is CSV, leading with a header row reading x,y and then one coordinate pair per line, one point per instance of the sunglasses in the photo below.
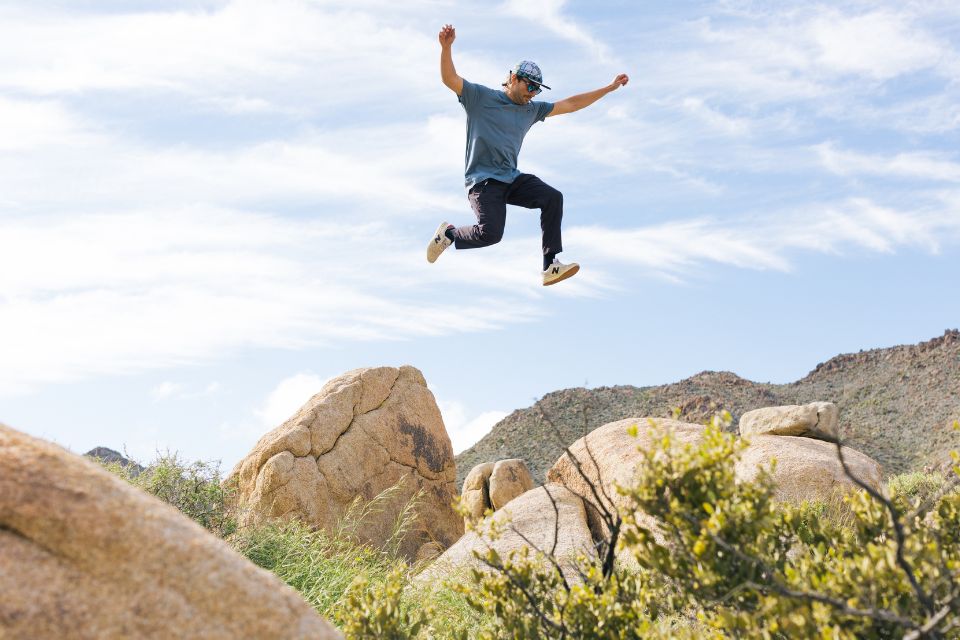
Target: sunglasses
x,y
532,87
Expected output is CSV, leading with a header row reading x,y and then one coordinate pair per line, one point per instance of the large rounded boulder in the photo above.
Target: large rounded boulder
x,y
366,431
544,520
595,464
85,555
806,468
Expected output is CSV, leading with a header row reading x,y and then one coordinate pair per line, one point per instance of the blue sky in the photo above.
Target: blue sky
x,y
209,208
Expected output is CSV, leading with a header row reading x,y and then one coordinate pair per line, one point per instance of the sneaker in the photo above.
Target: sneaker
x,y
438,243
559,271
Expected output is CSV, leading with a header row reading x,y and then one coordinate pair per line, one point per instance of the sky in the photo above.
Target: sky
x,y
209,208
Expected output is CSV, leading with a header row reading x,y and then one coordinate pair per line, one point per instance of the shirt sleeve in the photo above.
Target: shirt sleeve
x,y
469,95
543,110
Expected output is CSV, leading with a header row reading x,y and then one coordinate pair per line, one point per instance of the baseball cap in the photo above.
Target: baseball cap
x,y
530,71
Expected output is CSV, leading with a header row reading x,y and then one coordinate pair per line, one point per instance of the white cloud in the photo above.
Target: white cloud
x,y
464,432
288,396
880,45
716,119
930,165
83,295
236,47
310,168
678,250
549,14
28,124
165,390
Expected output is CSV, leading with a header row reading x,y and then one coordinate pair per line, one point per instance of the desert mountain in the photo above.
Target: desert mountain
x,y
896,404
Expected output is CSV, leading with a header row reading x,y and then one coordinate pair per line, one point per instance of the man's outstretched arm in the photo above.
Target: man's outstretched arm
x,y
448,73
577,102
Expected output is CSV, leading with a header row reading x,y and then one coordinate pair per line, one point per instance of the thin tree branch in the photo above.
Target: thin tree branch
x,y
902,562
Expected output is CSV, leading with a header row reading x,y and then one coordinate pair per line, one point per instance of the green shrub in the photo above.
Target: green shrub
x,y
319,565
917,485
192,487
355,585
727,561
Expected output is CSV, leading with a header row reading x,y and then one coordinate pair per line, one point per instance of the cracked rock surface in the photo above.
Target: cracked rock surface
x,y
364,432
84,555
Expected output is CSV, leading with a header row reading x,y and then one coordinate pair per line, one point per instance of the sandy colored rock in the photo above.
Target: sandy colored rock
x,y
475,494
476,503
509,479
533,516
807,469
813,420
84,555
428,551
608,456
364,432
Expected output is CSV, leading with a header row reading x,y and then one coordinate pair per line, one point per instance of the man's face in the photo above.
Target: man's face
x,y
520,89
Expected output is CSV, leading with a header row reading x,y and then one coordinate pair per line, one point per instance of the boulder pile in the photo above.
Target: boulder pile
x,y
492,485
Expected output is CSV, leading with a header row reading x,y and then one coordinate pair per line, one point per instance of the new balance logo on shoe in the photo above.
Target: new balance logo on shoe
x,y
558,271
438,243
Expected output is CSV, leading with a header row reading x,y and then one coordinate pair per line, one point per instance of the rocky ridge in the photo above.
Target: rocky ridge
x,y
896,404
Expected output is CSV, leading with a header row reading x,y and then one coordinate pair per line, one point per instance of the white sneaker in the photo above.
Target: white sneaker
x,y
438,243
559,271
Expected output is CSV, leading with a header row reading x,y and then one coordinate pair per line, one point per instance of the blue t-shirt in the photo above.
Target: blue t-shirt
x,y
495,130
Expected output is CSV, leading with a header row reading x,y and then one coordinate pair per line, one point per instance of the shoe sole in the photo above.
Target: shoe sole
x,y
563,276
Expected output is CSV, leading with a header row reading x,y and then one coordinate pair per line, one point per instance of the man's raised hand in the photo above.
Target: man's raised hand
x,y
447,35
620,81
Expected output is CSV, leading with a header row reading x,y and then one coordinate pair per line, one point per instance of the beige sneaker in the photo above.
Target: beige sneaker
x,y
559,271
438,243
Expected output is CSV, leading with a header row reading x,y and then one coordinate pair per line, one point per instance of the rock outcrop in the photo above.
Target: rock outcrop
x,y
813,420
608,456
84,555
806,468
509,479
530,518
475,494
491,485
364,432
108,456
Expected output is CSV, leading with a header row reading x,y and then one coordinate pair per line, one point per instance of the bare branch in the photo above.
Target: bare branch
x,y
531,600
902,562
602,502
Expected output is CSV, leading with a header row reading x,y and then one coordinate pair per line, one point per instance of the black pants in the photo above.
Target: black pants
x,y
489,200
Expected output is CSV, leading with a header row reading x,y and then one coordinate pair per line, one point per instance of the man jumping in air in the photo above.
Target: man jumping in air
x,y
497,121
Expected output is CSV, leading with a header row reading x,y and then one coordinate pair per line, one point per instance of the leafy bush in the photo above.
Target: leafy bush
x,y
917,485
192,487
727,561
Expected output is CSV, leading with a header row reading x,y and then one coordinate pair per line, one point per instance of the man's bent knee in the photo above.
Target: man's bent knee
x,y
489,236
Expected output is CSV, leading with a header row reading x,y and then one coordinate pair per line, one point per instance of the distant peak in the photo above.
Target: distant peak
x,y
718,377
